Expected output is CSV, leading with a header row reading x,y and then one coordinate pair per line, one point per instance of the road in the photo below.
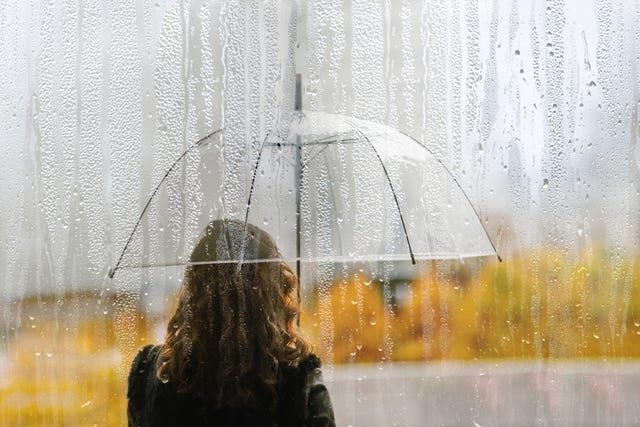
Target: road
x,y
487,394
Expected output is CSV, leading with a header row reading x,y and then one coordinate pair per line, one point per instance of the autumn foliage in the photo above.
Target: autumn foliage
x,y
542,305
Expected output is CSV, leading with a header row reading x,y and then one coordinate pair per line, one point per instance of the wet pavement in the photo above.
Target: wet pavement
x,y
487,394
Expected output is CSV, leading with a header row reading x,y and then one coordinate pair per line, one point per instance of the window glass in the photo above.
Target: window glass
x,y
448,133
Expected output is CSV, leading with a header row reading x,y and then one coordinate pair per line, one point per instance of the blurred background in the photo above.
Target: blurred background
x,y
533,106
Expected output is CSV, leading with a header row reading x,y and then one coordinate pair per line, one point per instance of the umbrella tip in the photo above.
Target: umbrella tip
x,y
499,257
111,273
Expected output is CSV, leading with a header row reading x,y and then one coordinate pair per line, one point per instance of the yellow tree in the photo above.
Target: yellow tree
x,y
352,313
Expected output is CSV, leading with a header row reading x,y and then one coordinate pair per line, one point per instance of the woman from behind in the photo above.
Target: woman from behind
x,y
232,355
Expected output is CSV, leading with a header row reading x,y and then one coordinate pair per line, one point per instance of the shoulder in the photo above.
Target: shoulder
x,y
319,410
309,364
302,373
144,361
143,365
294,381
311,372
141,381
304,399
146,352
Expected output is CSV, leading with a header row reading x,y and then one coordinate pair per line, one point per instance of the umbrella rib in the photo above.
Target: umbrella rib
x,y
323,141
459,187
253,180
198,143
327,143
315,155
395,197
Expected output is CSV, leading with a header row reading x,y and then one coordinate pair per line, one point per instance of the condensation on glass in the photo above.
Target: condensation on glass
x,y
531,108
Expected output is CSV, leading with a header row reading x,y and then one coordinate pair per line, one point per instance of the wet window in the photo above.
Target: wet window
x,y
456,184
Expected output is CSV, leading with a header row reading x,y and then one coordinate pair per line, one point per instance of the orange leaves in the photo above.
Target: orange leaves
x,y
352,316
539,305
69,360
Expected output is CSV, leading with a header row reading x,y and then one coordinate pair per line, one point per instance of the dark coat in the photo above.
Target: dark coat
x,y
302,400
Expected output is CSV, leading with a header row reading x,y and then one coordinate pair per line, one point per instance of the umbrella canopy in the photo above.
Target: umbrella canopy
x,y
327,188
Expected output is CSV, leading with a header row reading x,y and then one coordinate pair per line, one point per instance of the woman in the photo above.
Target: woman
x,y
231,356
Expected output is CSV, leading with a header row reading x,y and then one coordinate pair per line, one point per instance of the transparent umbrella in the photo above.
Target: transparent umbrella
x,y
327,188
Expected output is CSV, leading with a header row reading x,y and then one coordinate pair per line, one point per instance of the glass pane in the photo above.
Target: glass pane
x,y
432,136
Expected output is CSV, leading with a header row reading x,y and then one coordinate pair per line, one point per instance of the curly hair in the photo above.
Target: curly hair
x,y
235,321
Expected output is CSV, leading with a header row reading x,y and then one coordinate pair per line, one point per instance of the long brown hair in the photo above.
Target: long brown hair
x,y
234,321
